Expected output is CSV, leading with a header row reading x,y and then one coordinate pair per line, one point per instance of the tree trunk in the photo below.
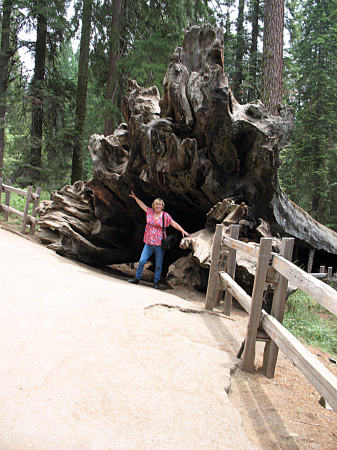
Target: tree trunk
x,y
110,124
252,91
272,63
240,44
4,75
227,38
81,97
37,96
228,20
320,203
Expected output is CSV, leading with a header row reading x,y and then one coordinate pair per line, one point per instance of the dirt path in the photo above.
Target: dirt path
x,y
91,362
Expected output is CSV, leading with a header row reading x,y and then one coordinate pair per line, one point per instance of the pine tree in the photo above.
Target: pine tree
x,y
240,50
81,97
37,86
114,52
229,49
272,64
51,26
58,116
253,53
5,55
309,170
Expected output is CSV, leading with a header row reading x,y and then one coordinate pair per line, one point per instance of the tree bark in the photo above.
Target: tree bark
x,y
81,97
252,91
227,34
37,95
4,73
272,62
240,43
110,124
320,208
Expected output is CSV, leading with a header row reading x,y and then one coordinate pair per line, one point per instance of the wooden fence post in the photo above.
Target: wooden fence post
x,y
279,301
7,199
256,307
214,269
330,269
219,289
35,205
310,260
231,266
25,213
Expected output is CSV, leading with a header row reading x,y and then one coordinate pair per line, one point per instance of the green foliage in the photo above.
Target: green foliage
x,y
147,35
58,102
309,170
18,202
148,60
227,15
311,323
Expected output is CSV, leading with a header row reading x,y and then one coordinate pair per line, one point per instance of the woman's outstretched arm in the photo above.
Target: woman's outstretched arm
x,y
139,202
179,228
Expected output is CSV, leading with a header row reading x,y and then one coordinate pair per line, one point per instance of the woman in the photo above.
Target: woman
x,y
153,236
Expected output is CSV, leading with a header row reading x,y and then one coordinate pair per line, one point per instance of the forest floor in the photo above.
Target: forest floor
x,y
283,412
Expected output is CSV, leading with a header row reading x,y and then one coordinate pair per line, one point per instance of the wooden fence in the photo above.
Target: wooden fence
x,y
327,275
278,270
31,197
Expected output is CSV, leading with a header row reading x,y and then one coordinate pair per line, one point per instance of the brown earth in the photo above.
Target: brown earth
x,y
281,413
284,412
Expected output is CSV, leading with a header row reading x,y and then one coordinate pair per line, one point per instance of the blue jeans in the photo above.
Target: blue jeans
x,y
144,257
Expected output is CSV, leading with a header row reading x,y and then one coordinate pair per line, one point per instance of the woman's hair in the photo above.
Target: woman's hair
x,y
158,200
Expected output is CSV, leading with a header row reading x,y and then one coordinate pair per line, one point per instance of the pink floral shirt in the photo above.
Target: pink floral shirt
x,y
153,230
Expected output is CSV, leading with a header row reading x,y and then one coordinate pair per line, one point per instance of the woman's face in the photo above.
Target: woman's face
x,y
158,207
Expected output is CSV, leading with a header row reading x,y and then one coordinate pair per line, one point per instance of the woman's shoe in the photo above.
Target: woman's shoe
x,y
133,281
155,285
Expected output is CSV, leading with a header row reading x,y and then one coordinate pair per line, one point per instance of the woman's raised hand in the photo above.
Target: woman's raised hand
x,y
138,201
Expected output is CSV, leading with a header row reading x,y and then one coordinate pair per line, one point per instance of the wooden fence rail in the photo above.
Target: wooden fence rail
x,y
277,270
31,197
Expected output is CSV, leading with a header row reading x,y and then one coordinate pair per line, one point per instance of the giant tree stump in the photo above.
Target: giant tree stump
x,y
194,148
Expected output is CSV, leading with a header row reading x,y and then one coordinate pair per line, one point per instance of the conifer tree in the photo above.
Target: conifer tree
x,y
225,18
37,91
81,97
50,29
5,54
253,53
114,51
309,169
240,50
272,63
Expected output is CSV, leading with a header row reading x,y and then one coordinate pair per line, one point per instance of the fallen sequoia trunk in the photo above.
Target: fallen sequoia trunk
x,y
194,148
